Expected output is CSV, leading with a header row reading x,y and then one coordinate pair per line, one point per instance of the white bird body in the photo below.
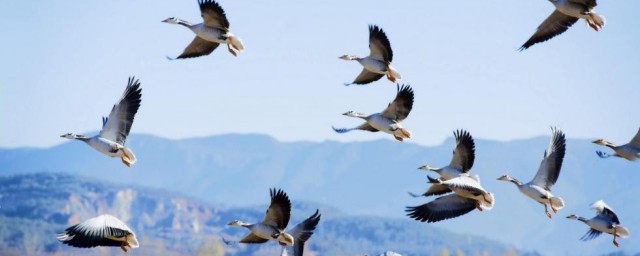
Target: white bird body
x,y
264,231
448,172
386,125
210,34
570,9
535,192
603,224
373,65
469,187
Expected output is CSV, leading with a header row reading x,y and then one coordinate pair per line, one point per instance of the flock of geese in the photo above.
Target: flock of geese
x,y
459,192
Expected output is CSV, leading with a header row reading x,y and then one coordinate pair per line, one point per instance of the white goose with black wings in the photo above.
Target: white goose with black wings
x,y
378,63
567,13
390,119
209,34
606,221
116,127
539,189
104,230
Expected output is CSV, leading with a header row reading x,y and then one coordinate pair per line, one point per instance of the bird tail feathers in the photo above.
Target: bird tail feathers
x,y
622,232
236,42
129,155
557,202
488,205
394,73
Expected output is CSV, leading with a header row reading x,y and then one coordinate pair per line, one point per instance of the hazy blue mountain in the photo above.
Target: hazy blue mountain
x,y
367,178
35,207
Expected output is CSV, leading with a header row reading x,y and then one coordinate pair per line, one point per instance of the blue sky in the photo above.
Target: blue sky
x,y
66,62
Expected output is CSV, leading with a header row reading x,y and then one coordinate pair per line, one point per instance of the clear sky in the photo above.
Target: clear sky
x,y
64,63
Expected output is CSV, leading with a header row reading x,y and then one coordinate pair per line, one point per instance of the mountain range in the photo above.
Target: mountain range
x,y
369,178
35,207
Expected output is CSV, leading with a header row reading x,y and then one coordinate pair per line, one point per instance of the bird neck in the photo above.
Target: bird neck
x,y
581,219
81,138
515,181
185,23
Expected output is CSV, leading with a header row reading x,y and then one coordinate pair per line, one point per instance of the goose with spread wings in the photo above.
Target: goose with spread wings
x,y
539,189
301,234
389,120
378,63
116,127
629,151
605,222
104,230
461,163
468,195
273,225
567,13
209,34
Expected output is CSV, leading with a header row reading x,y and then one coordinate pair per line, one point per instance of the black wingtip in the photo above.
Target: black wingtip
x,y
169,58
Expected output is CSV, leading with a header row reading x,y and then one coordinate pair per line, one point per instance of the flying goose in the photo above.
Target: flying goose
x,y
273,225
539,188
629,151
566,14
461,163
104,230
301,233
468,195
606,221
378,63
210,34
116,127
389,121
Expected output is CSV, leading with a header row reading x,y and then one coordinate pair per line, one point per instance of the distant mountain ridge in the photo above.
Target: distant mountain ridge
x,y
35,207
370,178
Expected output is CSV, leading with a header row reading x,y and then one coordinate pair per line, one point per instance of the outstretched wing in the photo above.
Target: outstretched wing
x,y
401,106
279,210
213,15
556,24
366,77
94,232
303,231
119,122
198,47
364,127
252,239
552,162
379,45
445,207
605,211
464,153
591,234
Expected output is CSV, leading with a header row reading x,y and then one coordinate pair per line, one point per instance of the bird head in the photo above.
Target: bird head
x,y
505,178
601,142
572,216
237,223
172,20
71,136
346,57
354,114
